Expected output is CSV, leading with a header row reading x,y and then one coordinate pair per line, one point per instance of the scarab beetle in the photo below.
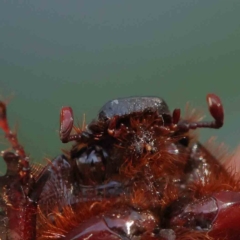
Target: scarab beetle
x,y
135,172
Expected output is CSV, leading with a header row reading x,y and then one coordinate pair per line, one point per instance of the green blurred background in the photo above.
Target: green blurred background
x,y
83,53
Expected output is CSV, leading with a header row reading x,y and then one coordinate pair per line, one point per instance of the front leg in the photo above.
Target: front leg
x,y
21,199
216,216
20,190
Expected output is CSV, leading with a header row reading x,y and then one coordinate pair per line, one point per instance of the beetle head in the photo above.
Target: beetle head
x,y
127,106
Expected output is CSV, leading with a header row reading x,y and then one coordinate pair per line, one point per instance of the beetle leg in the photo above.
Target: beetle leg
x,y
20,190
227,220
21,199
218,215
12,138
127,225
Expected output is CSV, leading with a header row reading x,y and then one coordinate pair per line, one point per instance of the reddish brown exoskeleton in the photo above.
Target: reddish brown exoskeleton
x,y
134,173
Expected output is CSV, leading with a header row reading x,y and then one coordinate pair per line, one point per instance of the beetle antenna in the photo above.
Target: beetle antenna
x,y
66,126
215,108
66,123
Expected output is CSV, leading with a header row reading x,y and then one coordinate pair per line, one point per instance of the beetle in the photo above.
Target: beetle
x,y
135,172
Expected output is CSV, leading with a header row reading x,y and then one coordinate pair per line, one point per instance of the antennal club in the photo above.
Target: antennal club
x,y
66,126
66,123
215,108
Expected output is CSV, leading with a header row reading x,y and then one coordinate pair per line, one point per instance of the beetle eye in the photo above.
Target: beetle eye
x,y
91,165
184,141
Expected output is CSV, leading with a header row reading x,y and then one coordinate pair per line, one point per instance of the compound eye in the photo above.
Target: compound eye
x,y
184,141
91,166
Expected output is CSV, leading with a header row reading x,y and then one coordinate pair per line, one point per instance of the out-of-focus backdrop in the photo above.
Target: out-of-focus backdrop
x,y
83,53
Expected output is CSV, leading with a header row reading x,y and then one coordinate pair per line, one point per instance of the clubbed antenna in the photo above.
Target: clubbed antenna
x,y
215,108
66,123
66,126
